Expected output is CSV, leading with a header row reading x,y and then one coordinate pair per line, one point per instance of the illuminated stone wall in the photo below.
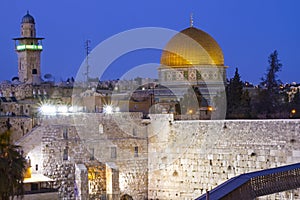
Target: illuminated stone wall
x,y
19,126
157,158
28,91
21,91
189,157
89,139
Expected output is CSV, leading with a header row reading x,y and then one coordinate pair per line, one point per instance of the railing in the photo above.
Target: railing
x,y
256,184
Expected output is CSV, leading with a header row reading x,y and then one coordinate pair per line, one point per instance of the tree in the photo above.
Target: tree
x,y
238,101
246,107
191,101
12,168
270,101
234,94
270,81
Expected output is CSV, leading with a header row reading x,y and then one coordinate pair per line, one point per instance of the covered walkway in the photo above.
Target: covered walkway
x,y
256,184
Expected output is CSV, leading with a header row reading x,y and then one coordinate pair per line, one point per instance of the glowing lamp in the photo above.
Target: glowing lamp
x,y
48,109
62,109
117,109
108,109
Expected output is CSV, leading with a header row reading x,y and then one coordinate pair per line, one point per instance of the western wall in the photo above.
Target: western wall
x,y
193,156
156,158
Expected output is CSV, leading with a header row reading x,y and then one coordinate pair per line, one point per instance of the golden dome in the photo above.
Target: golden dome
x,y
192,47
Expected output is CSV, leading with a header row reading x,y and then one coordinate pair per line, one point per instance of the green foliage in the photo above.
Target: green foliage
x,y
191,101
238,101
12,167
270,81
270,103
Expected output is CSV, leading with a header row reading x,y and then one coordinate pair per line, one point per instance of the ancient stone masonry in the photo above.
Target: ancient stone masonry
x,y
193,156
19,126
89,139
62,149
20,91
156,158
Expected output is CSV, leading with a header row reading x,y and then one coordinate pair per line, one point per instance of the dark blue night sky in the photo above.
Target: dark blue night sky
x,y
247,31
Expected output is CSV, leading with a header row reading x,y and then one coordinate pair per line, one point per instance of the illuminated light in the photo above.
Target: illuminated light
x,y
293,111
29,47
71,109
108,109
190,111
47,110
209,108
117,109
62,109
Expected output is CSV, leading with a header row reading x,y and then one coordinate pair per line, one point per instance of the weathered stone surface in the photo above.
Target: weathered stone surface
x,y
205,154
160,159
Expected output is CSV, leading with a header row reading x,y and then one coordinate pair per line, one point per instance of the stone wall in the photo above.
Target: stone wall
x,y
124,135
81,180
19,126
189,157
62,149
27,91
157,158
89,139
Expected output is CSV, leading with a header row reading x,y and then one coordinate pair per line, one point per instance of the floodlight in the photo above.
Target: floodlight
x,y
108,109
47,109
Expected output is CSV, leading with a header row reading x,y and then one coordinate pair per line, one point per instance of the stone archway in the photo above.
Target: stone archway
x,y
126,197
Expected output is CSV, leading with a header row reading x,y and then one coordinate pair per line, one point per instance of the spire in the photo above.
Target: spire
x,y
191,20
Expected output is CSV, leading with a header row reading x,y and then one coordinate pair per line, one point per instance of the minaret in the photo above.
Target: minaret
x,y
28,48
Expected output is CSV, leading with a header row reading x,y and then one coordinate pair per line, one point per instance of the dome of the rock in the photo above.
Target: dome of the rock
x,y
192,47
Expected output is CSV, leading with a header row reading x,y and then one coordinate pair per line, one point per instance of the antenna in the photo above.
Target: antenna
x,y
87,50
191,20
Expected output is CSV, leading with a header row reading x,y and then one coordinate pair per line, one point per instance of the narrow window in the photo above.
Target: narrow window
x,y
113,152
92,155
198,75
65,156
36,167
186,75
133,132
136,151
100,128
65,133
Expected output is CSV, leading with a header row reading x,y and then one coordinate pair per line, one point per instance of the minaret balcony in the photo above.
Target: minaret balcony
x,y
33,47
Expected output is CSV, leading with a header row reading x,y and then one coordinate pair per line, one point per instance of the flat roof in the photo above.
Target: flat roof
x,y
36,178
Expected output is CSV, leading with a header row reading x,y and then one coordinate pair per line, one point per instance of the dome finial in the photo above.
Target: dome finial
x,y
191,20
27,18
